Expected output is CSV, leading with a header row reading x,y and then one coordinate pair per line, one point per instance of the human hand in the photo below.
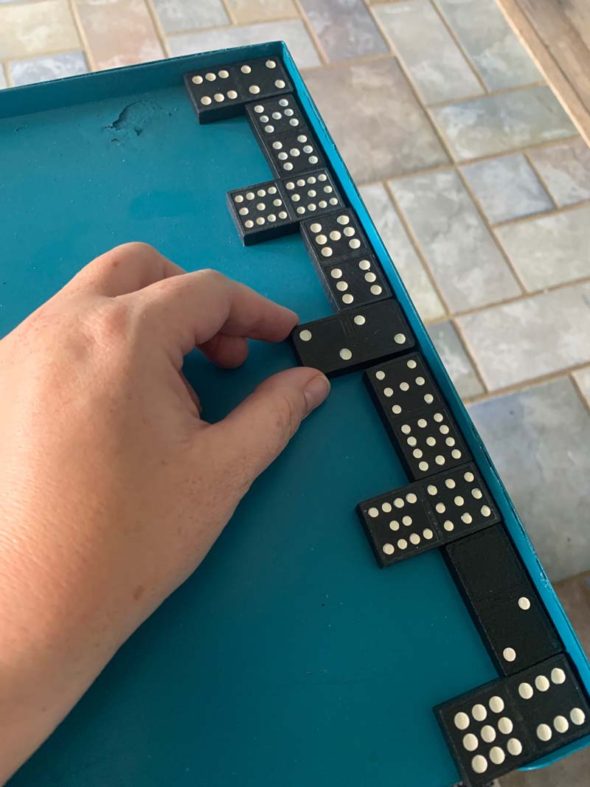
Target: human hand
x,y
112,487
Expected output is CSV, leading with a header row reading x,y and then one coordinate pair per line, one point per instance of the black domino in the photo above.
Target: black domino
x,y
486,567
312,194
354,281
399,524
485,733
513,721
429,441
334,237
427,514
285,137
275,117
261,212
552,703
460,502
400,387
224,91
508,611
353,339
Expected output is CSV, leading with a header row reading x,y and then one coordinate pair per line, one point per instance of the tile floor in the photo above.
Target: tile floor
x,y
477,181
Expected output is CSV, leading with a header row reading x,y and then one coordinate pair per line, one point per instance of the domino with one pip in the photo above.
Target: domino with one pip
x,y
353,339
502,600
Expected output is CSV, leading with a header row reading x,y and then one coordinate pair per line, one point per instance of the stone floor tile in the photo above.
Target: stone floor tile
x,y
402,252
36,28
434,62
41,69
571,772
565,169
345,28
550,249
538,440
467,265
131,40
455,358
522,340
499,123
487,38
507,187
372,113
245,12
582,378
574,594
292,32
178,15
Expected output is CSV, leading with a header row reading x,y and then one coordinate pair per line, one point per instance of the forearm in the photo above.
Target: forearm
x,y
53,642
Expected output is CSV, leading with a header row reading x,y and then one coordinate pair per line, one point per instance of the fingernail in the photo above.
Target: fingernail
x,y
316,390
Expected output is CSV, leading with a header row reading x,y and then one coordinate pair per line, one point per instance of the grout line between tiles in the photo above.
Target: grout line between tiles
x,y
356,61
489,156
554,212
470,357
476,365
525,296
416,246
227,8
541,180
540,177
531,382
315,39
579,391
397,54
158,28
482,214
500,91
233,20
455,38
82,36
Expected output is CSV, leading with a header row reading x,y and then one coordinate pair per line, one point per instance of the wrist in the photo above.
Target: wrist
x,y
52,644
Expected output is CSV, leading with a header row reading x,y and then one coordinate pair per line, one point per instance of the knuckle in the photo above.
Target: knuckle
x,y
109,324
211,276
122,255
133,249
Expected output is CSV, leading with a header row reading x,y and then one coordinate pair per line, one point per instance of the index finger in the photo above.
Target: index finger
x,y
188,310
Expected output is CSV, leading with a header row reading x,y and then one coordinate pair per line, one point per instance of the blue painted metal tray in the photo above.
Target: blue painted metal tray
x,y
289,658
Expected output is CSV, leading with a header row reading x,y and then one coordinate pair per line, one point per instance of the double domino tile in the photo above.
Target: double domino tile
x,y
268,210
515,720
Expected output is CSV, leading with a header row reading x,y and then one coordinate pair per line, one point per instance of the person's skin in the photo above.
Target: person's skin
x,y
112,487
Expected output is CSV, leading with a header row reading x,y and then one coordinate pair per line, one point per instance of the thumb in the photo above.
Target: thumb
x,y
256,432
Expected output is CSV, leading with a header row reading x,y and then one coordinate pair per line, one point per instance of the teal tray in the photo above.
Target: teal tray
x,y
289,658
